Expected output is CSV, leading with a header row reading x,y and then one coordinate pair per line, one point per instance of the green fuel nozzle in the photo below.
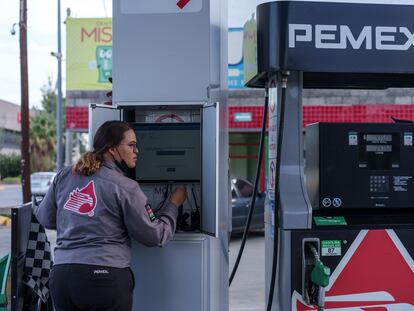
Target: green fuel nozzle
x,y
320,277
320,274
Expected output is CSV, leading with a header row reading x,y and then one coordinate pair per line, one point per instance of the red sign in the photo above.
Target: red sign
x,y
182,3
376,274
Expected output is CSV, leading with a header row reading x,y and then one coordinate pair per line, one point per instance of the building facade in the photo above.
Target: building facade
x,y
10,128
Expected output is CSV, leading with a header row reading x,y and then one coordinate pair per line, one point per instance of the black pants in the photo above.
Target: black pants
x,y
77,287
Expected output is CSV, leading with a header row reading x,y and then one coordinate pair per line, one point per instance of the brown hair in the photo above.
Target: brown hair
x,y
109,134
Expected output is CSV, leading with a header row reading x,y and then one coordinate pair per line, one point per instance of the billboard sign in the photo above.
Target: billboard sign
x,y
235,59
89,55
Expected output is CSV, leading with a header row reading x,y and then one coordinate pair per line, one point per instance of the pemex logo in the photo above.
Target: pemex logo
x,y
376,274
82,201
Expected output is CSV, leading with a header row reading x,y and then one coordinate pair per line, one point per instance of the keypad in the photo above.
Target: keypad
x,y
379,184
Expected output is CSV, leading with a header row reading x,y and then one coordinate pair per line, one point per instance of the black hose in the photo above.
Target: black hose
x,y
277,189
256,186
195,200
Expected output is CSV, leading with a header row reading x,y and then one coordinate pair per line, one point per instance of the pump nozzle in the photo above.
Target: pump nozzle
x,y
320,274
320,277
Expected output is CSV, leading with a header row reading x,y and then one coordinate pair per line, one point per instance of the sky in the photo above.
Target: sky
x,y
42,39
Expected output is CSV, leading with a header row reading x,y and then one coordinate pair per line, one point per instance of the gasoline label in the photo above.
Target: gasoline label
x,y
331,248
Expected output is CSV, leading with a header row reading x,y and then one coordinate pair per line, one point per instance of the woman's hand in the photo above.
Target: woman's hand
x,y
178,196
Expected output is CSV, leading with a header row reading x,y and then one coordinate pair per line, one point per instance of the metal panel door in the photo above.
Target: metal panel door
x,y
98,115
174,277
209,169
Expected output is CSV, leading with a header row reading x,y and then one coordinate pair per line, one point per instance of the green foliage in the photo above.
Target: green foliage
x,y
42,141
49,98
13,180
9,166
43,131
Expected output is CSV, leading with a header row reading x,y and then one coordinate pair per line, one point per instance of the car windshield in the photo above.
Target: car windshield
x,y
245,188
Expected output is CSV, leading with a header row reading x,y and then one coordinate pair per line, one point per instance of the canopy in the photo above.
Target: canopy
x,y
340,44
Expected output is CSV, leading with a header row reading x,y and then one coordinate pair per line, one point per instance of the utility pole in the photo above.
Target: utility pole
x,y
59,157
24,90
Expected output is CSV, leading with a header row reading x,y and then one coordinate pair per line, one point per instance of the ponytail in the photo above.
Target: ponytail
x,y
108,135
88,164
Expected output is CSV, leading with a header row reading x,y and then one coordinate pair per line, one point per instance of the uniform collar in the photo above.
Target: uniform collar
x,y
111,165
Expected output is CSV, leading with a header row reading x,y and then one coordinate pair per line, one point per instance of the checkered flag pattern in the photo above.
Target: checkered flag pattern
x,y
38,263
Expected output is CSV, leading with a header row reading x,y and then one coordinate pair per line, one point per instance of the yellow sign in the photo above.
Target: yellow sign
x,y
88,53
250,49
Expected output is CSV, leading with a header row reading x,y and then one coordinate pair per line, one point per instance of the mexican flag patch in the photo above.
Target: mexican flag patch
x,y
150,212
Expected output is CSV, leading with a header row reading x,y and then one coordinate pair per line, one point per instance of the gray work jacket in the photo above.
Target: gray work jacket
x,y
96,216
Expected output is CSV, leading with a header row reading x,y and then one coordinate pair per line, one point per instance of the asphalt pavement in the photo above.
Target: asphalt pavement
x,y
247,292
247,289
10,195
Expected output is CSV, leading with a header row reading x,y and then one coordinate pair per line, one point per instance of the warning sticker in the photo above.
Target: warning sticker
x,y
331,248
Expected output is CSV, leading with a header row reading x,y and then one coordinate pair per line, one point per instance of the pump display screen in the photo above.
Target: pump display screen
x,y
168,152
378,138
379,151
379,148
360,165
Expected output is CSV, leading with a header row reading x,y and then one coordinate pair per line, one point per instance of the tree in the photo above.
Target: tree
x,y
43,131
49,98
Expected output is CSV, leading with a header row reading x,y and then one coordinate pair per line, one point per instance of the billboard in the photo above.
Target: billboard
x,y
88,53
250,49
235,58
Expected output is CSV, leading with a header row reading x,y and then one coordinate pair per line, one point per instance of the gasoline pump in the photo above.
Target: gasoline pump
x,y
341,207
169,81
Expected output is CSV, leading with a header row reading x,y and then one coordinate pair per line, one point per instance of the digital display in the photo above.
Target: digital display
x,y
379,151
378,138
379,148
168,152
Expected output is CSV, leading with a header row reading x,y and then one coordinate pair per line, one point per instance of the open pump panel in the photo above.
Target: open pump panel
x,y
175,148
169,144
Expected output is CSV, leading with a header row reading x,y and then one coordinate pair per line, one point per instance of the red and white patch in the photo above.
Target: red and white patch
x,y
376,274
82,201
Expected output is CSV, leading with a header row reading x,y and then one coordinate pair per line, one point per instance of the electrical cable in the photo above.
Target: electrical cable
x,y
162,203
277,188
194,197
256,186
195,216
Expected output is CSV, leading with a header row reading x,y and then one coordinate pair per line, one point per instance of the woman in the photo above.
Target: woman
x,y
96,210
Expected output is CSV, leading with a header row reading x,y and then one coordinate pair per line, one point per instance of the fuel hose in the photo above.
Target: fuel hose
x,y
284,77
256,186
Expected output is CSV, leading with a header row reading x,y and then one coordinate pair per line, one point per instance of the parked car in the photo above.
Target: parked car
x,y
241,195
40,182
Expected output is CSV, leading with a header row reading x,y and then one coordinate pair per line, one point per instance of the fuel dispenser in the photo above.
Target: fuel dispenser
x,y
338,237
169,80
